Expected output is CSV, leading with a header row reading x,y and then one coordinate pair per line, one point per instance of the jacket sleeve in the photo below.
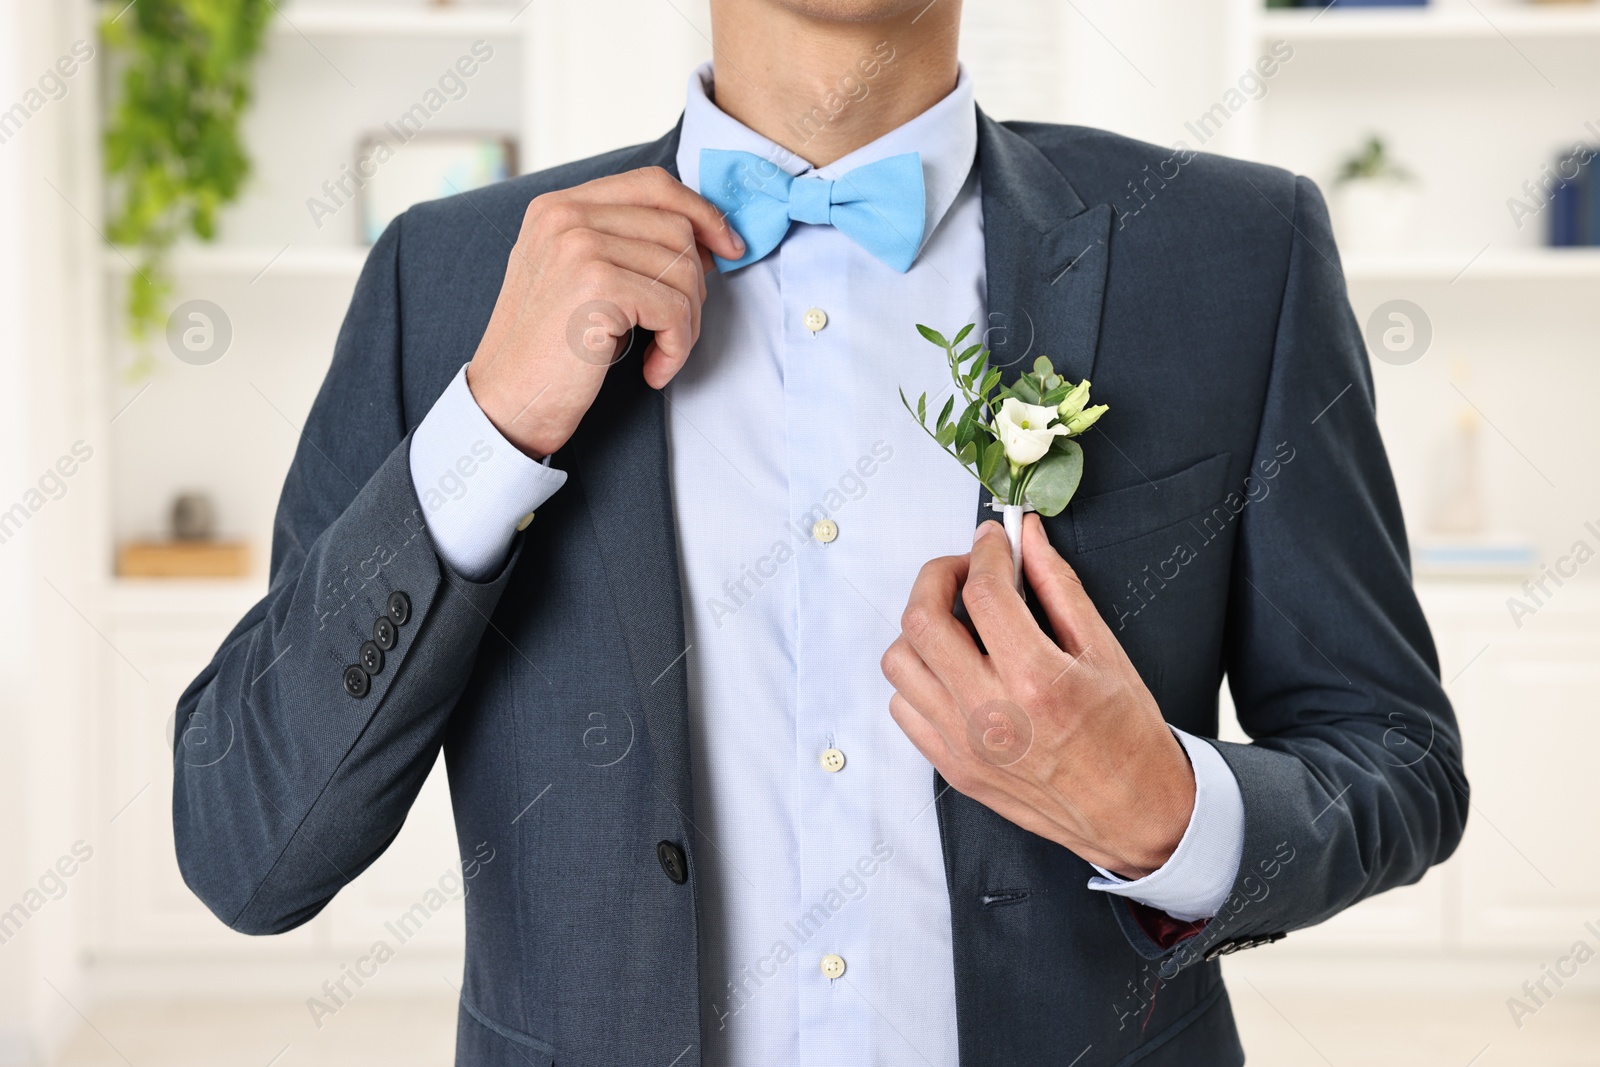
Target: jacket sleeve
x,y
1354,781
287,784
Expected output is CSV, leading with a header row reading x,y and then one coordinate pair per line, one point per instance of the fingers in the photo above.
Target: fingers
x,y
921,733
654,187
914,681
1071,613
933,631
665,228
997,609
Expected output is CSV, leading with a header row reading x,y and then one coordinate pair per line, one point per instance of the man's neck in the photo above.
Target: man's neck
x,y
823,88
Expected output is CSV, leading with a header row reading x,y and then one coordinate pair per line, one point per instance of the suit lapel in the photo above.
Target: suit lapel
x,y
620,450
1046,255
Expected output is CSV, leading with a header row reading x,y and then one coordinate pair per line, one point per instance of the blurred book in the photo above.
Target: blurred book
x,y
183,559
1474,557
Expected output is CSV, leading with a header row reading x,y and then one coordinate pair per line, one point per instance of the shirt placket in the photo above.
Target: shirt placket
x,y
834,813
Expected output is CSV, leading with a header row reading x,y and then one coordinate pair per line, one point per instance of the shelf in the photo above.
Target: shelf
x,y
1528,264
323,20
254,262
1426,24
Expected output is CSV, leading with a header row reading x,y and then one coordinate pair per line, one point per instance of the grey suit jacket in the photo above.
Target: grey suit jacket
x,y
1240,520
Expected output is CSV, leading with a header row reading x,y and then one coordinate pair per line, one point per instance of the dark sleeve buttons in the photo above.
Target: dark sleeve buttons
x,y
356,682
399,608
371,657
384,633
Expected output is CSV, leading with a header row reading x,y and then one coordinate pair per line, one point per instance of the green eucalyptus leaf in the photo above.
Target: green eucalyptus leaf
x,y
1056,395
962,336
933,335
993,454
968,353
1026,389
968,454
1055,478
922,409
990,380
944,413
946,435
1042,367
999,482
966,426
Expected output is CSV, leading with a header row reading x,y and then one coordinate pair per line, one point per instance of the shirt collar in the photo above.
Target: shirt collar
x,y
946,136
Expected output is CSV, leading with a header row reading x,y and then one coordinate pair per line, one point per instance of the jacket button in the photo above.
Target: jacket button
x,y
384,633
371,657
673,862
399,608
356,682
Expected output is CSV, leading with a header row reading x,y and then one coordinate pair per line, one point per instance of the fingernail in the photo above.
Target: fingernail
x,y
738,242
983,528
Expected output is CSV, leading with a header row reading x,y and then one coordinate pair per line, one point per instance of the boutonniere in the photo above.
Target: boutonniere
x,y
1017,440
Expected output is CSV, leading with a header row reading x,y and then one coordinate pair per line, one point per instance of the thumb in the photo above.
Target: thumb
x,y
1071,613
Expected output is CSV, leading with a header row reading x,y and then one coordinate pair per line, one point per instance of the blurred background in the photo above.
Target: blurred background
x,y
139,470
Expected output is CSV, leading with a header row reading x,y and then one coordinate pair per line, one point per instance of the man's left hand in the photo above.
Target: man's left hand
x,y
1065,741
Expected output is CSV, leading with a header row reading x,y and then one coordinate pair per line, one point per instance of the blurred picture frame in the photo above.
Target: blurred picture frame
x,y
427,166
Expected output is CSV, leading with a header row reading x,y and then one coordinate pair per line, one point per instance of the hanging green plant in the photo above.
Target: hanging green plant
x,y
173,151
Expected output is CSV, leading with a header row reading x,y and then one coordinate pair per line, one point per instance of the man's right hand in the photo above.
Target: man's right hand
x,y
591,263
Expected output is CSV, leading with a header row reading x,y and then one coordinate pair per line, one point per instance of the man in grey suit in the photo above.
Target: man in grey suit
x,y
608,495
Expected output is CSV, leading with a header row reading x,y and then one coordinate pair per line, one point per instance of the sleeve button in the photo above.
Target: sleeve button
x,y
371,657
384,633
356,682
399,608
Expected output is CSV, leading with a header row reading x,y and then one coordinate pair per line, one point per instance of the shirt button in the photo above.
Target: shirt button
x,y
525,522
833,966
825,530
815,319
833,761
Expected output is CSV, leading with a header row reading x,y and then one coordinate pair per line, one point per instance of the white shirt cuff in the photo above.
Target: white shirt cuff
x,y
475,486
1197,877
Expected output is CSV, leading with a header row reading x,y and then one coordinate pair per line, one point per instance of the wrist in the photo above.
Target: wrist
x,y
515,421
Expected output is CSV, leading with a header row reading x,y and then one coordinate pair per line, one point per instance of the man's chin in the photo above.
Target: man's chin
x,y
853,10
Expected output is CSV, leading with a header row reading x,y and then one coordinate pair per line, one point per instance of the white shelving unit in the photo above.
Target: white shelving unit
x,y
1473,98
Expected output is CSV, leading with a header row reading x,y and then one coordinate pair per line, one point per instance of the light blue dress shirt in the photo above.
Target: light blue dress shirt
x,y
806,499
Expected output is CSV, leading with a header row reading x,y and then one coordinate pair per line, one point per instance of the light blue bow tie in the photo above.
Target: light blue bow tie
x,y
880,206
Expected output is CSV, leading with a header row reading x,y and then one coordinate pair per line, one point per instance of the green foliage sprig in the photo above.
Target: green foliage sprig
x,y
1017,439
173,150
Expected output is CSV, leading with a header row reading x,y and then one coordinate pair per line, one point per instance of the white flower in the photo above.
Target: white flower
x,y
1025,430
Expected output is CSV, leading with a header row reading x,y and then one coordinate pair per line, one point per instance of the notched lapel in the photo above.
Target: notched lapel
x,y
1046,253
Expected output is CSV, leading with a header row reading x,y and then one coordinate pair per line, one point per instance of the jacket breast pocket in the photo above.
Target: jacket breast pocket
x,y
1123,515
